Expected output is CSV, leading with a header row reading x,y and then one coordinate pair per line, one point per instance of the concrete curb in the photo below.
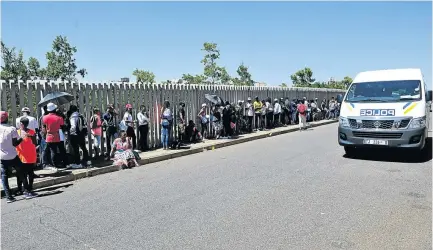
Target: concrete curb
x,y
165,156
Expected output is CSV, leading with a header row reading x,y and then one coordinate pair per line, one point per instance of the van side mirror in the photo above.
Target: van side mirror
x,y
339,98
429,96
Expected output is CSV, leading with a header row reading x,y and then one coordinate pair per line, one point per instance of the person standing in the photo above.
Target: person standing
x,y
129,122
269,113
33,123
143,128
293,111
166,122
226,120
249,110
181,123
96,128
110,127
277,112
52,124
26,151
203,120
9,139
302,109
77,136
257,105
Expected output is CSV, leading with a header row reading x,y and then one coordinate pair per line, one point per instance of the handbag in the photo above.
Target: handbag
x,y
165,123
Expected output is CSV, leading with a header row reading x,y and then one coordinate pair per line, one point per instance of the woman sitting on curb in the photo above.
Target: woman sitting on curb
x,y
122,152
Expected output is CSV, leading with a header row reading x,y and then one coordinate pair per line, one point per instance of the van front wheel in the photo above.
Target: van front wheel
x,y
350,151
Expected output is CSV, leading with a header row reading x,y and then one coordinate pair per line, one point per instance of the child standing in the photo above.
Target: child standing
x,y
26,151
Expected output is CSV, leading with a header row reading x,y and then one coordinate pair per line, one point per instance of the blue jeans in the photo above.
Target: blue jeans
x,y
165,135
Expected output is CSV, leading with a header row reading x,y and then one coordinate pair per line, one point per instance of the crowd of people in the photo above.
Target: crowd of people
x,y
60,136
229,119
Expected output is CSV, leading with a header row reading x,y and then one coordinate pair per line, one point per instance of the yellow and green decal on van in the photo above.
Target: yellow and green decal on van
x,y
350,106
409,106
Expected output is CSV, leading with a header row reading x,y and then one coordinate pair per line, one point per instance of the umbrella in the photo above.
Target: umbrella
x,y
214,99
58,98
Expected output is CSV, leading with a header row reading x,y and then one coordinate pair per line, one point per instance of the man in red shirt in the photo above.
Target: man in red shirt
x,y
52,124
302,110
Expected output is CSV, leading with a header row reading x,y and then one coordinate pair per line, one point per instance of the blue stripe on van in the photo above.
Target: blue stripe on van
x,y
406,105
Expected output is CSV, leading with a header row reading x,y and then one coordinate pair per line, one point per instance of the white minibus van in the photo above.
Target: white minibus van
x,y
385,108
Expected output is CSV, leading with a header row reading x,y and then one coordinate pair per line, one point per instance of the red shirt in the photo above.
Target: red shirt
x,y
305,113
26,149
53,123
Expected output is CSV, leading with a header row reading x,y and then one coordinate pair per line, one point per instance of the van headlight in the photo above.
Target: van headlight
x,y
344,122
417,123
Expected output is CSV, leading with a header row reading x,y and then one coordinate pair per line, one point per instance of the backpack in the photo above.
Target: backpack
x,y
93,122
82,128
301,109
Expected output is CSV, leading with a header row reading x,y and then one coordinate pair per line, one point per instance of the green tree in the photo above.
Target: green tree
x,y
14,65
190,79
61,61
34,68
283,85
213,73
347,81
303,78
245,78
224,77
143,76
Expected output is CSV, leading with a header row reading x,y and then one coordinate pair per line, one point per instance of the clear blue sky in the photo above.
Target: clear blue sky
x,y
273,38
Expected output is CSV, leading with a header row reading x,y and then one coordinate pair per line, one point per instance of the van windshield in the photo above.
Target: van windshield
x,y
386,91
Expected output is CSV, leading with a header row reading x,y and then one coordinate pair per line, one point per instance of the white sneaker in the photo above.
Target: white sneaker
x,y
52,168
76,166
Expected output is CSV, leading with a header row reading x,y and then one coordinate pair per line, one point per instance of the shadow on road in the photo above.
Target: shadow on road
x,y
396,155
53,188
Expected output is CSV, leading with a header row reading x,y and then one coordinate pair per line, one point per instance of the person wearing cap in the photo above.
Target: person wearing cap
x,y
203,120
9,140
110,127
33,123
257,105
249,110
129,122
277,112
52,124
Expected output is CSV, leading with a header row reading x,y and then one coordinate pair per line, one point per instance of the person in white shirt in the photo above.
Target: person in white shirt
x,y
9,140
250,114
143,128
277,112
127,119
33,123
269,113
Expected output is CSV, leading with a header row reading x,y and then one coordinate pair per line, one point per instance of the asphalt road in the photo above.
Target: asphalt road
x,y
295,191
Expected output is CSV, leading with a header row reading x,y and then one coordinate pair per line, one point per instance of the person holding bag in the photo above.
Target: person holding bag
x,y
166,121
